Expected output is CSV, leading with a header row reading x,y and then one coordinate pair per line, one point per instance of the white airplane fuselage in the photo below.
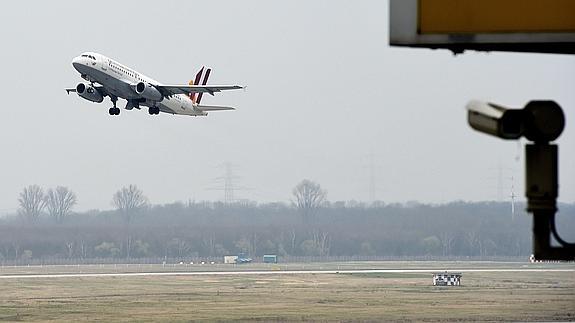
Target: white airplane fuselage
x,y
119,81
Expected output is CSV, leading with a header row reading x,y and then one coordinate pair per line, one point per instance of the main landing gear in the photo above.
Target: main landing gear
x,y
114,110
154,110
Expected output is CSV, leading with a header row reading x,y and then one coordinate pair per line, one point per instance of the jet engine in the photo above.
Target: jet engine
x,y
88,92
148,91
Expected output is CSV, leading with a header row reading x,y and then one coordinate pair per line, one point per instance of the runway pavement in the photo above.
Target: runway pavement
x,y
273,272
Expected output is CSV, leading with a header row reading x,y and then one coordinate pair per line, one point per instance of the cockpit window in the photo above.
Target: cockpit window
x,y
88,56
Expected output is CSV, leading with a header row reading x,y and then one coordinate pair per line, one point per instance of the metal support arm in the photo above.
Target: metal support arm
x,y
541,190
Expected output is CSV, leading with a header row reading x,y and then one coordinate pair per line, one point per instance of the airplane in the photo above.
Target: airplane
x,y
107,77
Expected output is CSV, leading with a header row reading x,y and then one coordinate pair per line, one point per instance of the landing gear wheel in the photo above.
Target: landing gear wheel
x,y
114,110
154,110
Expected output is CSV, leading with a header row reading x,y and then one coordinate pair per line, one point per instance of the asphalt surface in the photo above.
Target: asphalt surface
x,y
273,272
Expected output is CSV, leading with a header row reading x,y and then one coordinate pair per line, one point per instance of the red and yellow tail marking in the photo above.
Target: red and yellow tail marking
x,y
194,96
204,82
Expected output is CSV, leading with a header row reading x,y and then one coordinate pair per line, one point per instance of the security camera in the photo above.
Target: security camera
x,y
539,121
495,120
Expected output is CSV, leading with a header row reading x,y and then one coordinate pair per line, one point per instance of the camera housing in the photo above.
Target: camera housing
x,y
495,120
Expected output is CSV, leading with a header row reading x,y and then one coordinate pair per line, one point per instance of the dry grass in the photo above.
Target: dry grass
x,y
490,296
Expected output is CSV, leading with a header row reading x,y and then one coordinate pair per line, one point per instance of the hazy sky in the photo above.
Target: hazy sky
x,y
325,92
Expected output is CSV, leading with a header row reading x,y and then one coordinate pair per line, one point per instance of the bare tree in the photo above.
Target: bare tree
x,y
59,202
70,248
129,200
446,238
209,243
472,239
31,202
322,242
309,196
293,241
254,244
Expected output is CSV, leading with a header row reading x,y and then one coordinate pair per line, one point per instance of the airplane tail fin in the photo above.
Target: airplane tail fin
x,y
197,97
204,82
196,81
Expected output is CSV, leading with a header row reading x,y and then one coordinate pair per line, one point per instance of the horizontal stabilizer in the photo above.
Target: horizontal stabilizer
x,y
187,89
213,108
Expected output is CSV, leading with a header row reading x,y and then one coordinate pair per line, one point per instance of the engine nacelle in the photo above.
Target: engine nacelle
x,y
148,91
88,92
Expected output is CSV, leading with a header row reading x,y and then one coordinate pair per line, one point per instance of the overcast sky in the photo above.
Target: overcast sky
x,y
326,93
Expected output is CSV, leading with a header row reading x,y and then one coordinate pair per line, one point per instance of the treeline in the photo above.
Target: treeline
x,y
211,229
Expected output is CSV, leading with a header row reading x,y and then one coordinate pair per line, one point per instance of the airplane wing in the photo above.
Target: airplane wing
x,y
187,89
213,108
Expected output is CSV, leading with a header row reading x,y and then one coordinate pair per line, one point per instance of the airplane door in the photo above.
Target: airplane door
x,y
104,63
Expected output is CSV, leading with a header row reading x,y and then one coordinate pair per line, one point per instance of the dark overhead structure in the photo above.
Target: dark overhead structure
x,y
505,25
485,25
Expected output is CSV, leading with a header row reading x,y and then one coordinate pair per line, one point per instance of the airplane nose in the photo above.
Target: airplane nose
x,y
76,62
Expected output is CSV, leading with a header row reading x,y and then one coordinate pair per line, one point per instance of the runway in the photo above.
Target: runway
x,y
272,272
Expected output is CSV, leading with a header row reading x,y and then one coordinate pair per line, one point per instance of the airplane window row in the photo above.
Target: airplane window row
x,y
125,71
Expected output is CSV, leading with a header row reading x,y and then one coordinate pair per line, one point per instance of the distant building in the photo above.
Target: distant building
x,y
230,259
239,259
446,279
270,259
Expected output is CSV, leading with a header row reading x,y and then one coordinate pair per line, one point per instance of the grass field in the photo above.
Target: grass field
x,y
483,296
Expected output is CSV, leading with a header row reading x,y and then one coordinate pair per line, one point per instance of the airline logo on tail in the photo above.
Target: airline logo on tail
x,y
197,97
